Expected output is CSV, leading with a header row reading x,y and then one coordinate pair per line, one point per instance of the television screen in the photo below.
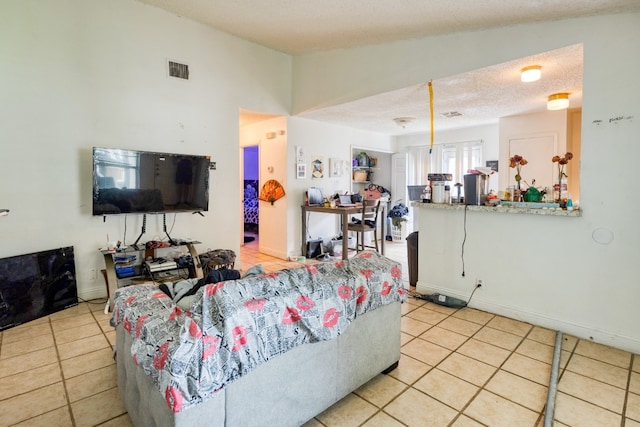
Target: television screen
x,y
130,181
35,285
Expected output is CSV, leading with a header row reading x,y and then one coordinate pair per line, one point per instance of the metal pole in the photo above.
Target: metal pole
x,y
553,382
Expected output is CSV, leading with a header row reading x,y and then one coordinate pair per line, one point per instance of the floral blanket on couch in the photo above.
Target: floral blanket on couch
x,y
233,327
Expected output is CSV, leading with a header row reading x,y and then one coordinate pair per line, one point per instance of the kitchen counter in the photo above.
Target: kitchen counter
x,y
500,209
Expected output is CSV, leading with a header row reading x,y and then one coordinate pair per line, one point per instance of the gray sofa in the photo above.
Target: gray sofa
x,y
289,388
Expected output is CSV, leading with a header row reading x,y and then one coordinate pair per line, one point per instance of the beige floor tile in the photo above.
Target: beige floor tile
x,y
407,308
569,342
536,350
37,402
598,370
468,369
22,347
543,335
427,316
91,383
381,390
575,412
70,322
473,315
26,331
528,368
515,327
446,388
444,338
405,338
499,338
57,418
381,419
425,351
87,362
98,408
636,362
350,411
464,421
311,423
460,326
634,382
111,337
121,421
495,411
604,353
596,392
628,422
76,310
409,370
82,346
27,381
440,308
416,302
542,352
484,352
633,407
27,361
79,332
416,409
519,390
413,327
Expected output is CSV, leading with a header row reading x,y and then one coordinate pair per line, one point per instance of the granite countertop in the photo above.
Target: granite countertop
x,y
525,209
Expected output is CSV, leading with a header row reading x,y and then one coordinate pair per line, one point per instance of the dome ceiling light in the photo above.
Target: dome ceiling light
x,y
531,73
558,101
403,121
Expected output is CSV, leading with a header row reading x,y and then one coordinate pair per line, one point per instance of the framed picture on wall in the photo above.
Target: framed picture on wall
x,y
318,168
335,167
301,171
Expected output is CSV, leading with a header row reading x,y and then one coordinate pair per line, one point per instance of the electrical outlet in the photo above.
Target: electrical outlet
x,y
479,283
92,274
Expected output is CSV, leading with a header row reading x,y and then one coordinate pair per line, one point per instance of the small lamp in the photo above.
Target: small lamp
x,y
558,101
531,73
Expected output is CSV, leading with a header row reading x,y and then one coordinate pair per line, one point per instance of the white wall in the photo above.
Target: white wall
x,y
559,271
78,74
320,139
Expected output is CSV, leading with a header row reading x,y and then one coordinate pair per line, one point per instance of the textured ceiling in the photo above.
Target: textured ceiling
x,y
482,96
303,26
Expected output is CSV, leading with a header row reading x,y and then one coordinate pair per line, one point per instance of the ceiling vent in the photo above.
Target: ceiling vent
x,y
178,70
452,114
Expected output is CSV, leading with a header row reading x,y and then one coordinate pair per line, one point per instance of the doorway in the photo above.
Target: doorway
x,y
251,179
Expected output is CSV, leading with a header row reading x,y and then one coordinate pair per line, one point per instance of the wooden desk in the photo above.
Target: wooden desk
x,y
344,212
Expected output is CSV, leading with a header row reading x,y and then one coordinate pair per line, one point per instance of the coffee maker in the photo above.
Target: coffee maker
x,y
475,189
438,182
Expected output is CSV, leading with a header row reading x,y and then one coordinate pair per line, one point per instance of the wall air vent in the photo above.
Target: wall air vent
x,y
178,70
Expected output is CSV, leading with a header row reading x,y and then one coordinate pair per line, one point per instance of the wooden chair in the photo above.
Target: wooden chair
x,y
368,222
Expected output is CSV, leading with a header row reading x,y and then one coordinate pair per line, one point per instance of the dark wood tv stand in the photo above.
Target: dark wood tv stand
x,y
112,280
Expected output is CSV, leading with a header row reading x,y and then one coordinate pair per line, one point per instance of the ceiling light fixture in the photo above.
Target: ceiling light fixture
x,y
558,101
403,121
531,73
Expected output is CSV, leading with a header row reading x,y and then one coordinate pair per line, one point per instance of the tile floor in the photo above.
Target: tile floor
x,y
458,368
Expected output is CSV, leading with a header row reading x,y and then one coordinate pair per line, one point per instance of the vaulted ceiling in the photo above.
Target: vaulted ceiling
x,y
303,26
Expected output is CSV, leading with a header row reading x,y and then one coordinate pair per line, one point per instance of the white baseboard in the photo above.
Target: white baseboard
x,y
94,292
566,326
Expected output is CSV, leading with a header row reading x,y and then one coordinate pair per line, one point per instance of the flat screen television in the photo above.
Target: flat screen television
x,y
132,181
36,284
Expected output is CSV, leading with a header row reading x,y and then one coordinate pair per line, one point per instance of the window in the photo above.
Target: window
x,y
454,158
